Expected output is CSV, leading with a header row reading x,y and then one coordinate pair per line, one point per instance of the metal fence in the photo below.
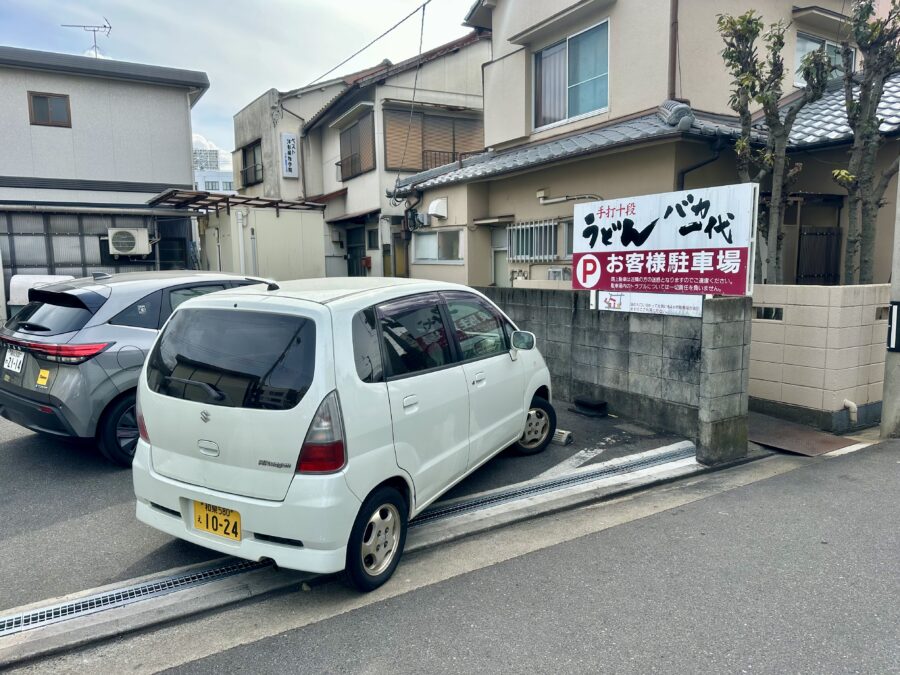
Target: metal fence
x,y
76,244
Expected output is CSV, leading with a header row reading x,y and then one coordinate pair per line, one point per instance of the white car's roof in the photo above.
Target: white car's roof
x,y
331,289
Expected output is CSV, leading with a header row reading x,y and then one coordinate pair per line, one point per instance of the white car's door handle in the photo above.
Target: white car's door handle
x,y
410,401
479,379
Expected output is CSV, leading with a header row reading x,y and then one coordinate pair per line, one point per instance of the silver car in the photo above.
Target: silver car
x,y
72,355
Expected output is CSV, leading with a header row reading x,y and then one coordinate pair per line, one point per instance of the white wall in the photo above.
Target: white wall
x,y
289,245
121,131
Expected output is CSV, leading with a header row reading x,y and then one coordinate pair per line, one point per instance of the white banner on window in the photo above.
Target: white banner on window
x,y
648,303
289,166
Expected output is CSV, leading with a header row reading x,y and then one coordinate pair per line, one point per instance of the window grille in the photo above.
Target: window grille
x,y
532,241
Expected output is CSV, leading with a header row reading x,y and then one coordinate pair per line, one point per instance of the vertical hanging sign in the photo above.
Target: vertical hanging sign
x,y
289,166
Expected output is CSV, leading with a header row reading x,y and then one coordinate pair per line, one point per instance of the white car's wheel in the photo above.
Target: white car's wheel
x,y
377,539
540,425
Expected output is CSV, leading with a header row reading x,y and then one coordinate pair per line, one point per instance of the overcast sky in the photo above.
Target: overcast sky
x,y
245,47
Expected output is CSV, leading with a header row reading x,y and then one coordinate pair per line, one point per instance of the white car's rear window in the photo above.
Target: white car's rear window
x,y
235,358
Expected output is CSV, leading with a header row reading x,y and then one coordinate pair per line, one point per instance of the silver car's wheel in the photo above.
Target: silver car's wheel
x,y
117,432
377,538
127,433
379,542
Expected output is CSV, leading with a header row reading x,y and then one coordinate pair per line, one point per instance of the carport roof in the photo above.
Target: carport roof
x,y
213,201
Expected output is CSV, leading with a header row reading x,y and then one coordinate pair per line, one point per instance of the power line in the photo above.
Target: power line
x,y
412,107
364,48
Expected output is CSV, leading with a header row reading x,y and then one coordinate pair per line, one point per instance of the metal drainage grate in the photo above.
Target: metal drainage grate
x,y
438,512
122,596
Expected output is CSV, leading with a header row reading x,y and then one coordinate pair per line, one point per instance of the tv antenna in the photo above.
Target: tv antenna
x,y
106,28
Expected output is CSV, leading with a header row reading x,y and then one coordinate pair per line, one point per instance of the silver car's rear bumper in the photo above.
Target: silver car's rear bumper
x,y
41,416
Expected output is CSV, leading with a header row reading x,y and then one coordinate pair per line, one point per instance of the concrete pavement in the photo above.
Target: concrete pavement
x,y
797,573
708,574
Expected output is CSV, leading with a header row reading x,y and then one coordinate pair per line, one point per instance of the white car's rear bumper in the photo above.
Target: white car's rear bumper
x,y
318,511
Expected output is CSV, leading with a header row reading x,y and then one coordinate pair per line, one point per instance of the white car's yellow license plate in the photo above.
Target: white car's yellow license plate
x,y
217,520
14,360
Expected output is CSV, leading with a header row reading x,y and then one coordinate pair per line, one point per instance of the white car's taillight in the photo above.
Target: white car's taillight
x,y
324,450
142,426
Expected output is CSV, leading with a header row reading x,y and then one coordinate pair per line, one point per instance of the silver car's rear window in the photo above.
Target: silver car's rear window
x,y
235,358
47,318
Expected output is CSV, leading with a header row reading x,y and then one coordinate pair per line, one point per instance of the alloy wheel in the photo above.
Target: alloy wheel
x,y
537,426
379,541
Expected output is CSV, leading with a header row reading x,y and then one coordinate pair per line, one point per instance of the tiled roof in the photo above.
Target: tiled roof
x,y
825,121
820,123
645,128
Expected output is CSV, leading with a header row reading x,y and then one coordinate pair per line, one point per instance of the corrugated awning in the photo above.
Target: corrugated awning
x,y
352,216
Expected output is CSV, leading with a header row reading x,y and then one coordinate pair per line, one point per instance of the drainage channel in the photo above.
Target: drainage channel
x,y
120,597
679,451
126,595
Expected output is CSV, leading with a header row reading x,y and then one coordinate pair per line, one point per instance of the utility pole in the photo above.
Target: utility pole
x,y
890,398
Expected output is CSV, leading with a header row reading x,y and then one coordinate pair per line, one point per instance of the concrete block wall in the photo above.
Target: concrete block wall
x,y
828,346
684,375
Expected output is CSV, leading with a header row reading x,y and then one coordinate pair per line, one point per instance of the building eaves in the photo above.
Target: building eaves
x,y
645,128
15,57
387,69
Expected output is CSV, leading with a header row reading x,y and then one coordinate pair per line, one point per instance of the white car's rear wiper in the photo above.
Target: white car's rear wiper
x,y
212,390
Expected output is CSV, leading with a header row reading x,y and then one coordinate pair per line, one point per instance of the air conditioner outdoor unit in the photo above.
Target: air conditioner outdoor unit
x,y
128,241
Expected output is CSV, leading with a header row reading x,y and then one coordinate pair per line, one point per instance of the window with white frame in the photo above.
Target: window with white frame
x,y
533,241
211,185
569,226
438,246
809,43
571,78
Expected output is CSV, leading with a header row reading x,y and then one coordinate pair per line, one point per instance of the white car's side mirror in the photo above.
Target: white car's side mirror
x,y
521,339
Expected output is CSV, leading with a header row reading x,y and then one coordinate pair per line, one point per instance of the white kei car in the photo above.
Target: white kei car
x,y
307,422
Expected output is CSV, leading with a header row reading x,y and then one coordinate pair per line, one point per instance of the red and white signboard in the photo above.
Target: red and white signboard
x,y
691,242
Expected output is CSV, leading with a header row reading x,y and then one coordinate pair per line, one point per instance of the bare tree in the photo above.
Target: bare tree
x,y
878,42
757,81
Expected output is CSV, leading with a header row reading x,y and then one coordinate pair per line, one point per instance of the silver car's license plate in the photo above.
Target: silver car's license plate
x,y
14,360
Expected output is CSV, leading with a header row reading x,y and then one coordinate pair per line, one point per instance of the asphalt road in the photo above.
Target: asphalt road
x,y
799,573
68,516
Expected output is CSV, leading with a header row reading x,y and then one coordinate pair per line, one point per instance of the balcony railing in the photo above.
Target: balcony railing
x,y
435,158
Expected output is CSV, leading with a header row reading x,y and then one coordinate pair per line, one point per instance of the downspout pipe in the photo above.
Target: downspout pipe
x,y
716,150
673,46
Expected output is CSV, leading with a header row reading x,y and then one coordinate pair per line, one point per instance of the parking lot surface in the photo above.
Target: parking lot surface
x,y
68,515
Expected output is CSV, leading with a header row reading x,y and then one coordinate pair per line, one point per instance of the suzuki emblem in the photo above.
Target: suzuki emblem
x,y
204,416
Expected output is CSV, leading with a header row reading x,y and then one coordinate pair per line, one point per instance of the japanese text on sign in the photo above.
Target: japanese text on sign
x,y
695,241
289,166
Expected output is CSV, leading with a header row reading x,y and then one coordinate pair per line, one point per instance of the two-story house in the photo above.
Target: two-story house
x,y
344,142
86,143
608,98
